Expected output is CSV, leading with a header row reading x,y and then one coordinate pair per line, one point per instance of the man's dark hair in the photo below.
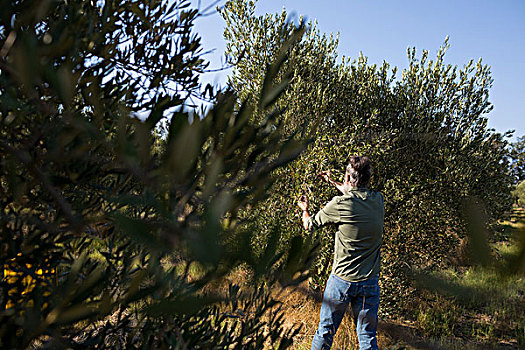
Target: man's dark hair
x,y
359,170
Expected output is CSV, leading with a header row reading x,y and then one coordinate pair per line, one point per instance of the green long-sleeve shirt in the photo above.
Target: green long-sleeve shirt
x,y
358,216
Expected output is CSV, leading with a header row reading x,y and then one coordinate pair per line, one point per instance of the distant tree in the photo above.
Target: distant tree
x,y
102,217
426,132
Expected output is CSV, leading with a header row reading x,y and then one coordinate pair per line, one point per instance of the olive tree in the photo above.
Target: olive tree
x,y
424,129
111,233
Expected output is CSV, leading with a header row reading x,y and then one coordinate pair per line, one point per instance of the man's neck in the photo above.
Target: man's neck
x,y
347,187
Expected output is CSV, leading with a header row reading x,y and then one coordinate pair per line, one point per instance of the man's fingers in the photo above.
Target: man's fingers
x,y
325,175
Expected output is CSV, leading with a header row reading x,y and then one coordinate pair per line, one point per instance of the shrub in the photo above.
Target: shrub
x,y
115,186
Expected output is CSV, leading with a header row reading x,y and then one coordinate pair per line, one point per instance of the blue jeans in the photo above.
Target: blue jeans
x,y
364,299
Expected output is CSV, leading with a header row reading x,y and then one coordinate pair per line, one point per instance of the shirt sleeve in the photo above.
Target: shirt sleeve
x,y
328,215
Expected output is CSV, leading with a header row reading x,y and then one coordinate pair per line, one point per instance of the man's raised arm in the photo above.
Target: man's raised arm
x,y
327,176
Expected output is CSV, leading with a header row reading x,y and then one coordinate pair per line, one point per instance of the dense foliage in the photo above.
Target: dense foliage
x,y
517,155
111,236
425,131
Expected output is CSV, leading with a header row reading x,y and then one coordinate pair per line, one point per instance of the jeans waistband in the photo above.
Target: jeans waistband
x,y
371,280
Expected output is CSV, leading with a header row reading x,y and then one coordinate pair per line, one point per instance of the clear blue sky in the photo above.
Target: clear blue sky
x,y
383,30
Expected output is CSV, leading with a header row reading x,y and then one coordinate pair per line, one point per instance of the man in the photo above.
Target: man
x,y
358,215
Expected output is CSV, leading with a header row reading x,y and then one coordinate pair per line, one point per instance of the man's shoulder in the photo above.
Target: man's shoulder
x,y
333,204
339,199
376,193
334,200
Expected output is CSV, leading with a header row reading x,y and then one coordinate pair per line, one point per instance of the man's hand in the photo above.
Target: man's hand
x,y
326,175
303,203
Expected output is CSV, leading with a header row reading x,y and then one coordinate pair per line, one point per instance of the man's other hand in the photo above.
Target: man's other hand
x,y
303,203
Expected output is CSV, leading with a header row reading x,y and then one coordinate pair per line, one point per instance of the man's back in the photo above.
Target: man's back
x,y
359,218
359,235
